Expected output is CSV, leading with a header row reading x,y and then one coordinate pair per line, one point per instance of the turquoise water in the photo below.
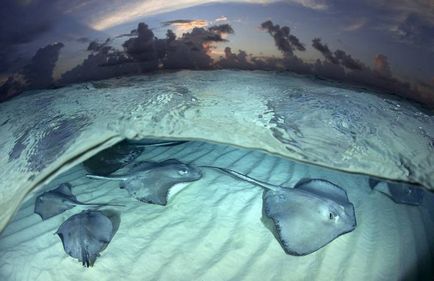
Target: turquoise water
x,y
212,228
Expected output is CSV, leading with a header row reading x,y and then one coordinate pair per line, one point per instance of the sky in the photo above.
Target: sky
x,y
387,45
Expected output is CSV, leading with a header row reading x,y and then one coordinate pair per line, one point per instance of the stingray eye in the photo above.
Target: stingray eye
x,y
182,171
331,216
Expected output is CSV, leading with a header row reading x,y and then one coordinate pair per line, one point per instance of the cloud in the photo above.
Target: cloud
x,y
285,42
122,13
143,52
356,25
140,54
416,30
222,18
185,25
192,50
95,46
324,50
351,71
142,48
222,29
104,62
342,67
348,61
381,65
235,61
37,74
338,57
313,4
422,8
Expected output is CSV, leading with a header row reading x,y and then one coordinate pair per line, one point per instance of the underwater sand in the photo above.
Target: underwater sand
x,y
212,229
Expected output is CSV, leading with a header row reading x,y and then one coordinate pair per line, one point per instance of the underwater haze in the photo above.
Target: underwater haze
x,y
228,140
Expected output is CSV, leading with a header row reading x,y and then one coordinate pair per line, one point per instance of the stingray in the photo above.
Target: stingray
x,y
56,201
85,235
304,218
150,182
399,192
112,158
121,154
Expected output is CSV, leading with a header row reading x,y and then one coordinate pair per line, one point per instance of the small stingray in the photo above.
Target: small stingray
x,y
85,235
304,218
150,182
399,192
57,201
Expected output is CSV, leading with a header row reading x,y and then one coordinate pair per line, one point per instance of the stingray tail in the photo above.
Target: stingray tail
x,y
100,204
241,176
115,178
156,144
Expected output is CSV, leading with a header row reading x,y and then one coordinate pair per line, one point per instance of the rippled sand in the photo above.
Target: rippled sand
x,y
212,230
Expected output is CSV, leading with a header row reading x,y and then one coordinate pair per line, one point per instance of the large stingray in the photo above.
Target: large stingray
x,y
85,235
151,182
399,192
304,218
56,201
121,154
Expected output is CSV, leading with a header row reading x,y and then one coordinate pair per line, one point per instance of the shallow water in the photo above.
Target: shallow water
x,y
212,229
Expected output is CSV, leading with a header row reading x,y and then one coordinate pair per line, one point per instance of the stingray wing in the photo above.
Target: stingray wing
x,y
150,188
403,193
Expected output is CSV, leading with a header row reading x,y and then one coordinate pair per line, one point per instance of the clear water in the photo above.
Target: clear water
x,y
212,229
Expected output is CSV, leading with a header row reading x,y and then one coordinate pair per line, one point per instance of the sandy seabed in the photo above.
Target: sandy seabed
x,y
212,229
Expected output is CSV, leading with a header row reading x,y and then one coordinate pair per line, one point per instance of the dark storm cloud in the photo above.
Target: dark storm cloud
x,y
95,46
131,34
235,61
171,22
144,52
192,48
35,75
222,29
351,71
140,54
348,61
245,61
39,73
418,30
106,62
324,50
338,57
285,42
143,47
